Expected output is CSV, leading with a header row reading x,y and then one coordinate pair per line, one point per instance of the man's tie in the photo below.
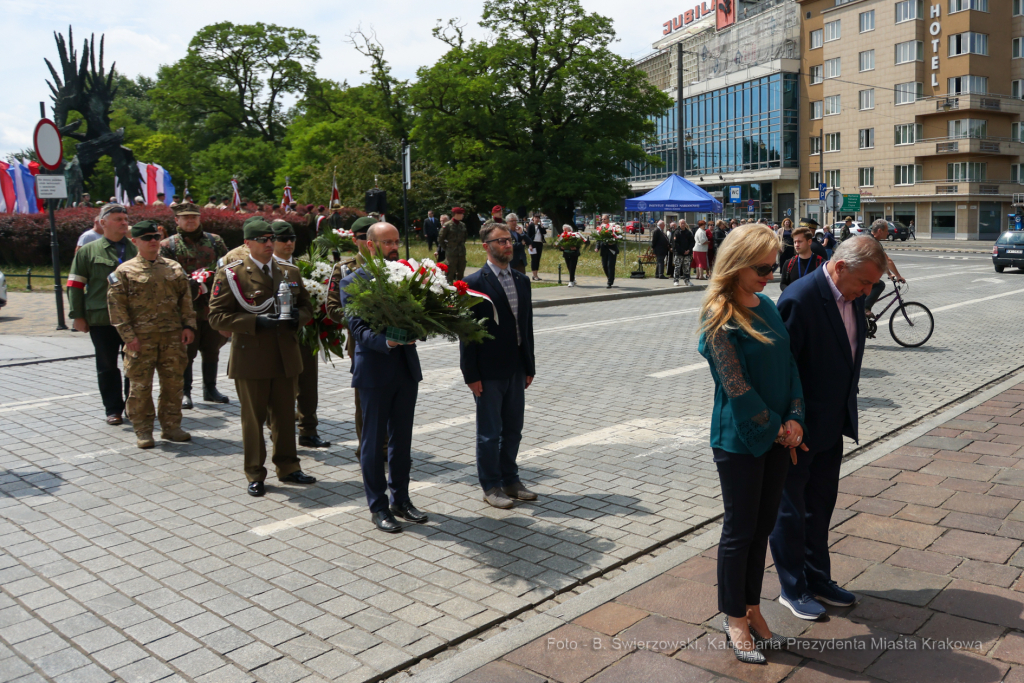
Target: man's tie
x,y
266,270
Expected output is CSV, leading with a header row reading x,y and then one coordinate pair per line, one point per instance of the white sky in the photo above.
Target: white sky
x,y
142,36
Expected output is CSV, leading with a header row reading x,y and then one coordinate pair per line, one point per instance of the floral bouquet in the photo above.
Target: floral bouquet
x,y
571,241
321,334
408,300
339,240
610,234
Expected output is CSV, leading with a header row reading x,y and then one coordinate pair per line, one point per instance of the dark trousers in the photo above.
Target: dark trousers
x,y
271,402
535,258
571,259
608,258
800,539
108,345
206,343
308,392
659,270
499,429
751,490
387,413
431,240
876,291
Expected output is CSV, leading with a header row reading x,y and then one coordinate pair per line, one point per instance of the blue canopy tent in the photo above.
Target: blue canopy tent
x,y
675,194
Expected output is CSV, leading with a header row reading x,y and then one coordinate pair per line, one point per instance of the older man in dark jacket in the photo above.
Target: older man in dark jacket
x,y
682,247
660,245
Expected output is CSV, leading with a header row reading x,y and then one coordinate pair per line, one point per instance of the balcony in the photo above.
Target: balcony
x,y
967,145
930,106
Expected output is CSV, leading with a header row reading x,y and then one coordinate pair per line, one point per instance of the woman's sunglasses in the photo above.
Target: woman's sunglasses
x,y
762,270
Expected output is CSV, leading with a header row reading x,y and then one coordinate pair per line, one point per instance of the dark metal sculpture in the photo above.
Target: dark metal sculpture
x,y
90,92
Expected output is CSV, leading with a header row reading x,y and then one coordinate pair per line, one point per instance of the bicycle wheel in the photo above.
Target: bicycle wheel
x,y
911,324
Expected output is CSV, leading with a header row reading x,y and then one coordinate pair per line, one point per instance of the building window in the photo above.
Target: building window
x,y
867,21
964,85
832,31
832,179
867,99
866,138
816,39
815,177
907,93
815,145
970,171
831,142
962,5
968,43
866,177
1018,46
1018,8
816,110
908,174
908,133
968,128
910,51
832,105
1015,174
1015,135
908,10
833,68
1017,87
867,60
817,74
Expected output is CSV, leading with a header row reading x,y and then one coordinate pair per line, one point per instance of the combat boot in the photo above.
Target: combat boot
x,y
175,434
211,395
144,439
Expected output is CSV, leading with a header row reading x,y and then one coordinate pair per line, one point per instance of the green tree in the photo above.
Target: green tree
x,y
233,81
542,114
251,160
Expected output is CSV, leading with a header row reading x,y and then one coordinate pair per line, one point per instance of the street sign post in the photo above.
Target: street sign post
x,y
406,184
822,188
851,203
834,200
49,147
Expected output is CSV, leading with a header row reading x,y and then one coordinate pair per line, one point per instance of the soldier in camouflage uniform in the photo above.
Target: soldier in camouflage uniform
x,y
197,251
452,239
150,304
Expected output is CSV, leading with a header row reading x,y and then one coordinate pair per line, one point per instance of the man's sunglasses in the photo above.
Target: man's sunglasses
x,y
285,238
261,240
149,238
762,270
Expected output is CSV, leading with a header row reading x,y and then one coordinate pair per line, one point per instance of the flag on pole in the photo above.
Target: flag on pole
x,y
286,198
335,195
7,197
236,199
24,188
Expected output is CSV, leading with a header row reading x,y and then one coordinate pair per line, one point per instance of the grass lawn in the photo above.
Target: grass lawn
x,y
42,278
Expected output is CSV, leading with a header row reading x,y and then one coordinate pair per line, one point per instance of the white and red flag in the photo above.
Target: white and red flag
x,y
236,199
286,198
335,195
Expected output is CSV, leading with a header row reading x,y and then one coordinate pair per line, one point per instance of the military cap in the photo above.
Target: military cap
x,y
185,209
282,228
808,223
144,228
457,209
362,225
497,211
256,227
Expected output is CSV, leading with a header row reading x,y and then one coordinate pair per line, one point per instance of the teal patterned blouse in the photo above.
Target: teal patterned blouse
x,y
757,386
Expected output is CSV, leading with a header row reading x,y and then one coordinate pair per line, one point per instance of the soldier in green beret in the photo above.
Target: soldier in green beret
x,y
150,305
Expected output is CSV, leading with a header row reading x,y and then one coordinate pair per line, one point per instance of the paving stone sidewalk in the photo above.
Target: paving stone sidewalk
x,y
929,537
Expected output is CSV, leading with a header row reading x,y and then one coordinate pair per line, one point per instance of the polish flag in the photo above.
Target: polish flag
x,y
335,195
236,199
8,200
33,168
286,198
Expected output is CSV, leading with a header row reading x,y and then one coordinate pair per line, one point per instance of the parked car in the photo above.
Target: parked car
x,y
898,231
1008,250
546,222
634,227
3,290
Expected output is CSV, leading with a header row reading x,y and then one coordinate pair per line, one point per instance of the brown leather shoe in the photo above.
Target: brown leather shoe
x,y
114,420
518,491
496,498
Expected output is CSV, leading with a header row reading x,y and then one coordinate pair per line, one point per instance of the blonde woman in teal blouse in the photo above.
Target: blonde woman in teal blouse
x,y
756,424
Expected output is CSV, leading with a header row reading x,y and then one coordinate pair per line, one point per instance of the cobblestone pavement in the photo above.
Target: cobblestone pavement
x,y
151,565
928,536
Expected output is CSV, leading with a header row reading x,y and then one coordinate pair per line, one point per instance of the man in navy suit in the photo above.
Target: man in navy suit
x,y
387,376
824,315
431,229
499,370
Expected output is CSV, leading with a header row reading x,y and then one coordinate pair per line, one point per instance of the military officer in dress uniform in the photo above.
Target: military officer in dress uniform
x,y
308,393
265,357
150,304
197,251
452,239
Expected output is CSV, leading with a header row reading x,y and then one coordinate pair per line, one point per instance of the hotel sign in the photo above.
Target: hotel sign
x,y
702,9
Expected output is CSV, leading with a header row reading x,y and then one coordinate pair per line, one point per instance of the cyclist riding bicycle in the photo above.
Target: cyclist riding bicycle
x,y
880,231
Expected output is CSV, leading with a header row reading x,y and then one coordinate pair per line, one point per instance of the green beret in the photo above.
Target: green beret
x,y
144,228
363,224
282,228
256,227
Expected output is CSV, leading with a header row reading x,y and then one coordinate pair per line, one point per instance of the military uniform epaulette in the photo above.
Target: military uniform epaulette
x,y
221,264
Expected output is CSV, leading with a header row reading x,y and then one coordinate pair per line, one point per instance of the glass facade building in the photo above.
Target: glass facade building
x,y
665,147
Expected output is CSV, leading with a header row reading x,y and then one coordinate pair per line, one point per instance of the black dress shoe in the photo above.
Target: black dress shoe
x,y
186,402
211,395
313,441
256,488
386,522
407,511
299,477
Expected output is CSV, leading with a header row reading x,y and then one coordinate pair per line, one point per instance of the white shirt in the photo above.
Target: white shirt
x,y
847,312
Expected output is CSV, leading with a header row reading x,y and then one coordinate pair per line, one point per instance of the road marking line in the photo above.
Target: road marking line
x,y
976,301
615,321
679,371
44,400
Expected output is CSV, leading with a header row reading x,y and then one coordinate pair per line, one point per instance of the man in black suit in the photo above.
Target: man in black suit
x,y
387,376
499,370
824,315
659,245
431,228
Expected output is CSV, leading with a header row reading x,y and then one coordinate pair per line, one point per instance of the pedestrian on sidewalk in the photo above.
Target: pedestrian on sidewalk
x,y
682,245
912,230
709,231
571,256
659,245
700,253
518,243
804,262
535,238
756,424
828,240
500,369
824,315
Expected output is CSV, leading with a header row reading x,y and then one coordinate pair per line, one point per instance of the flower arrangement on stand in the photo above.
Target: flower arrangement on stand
x,y
571,241
409,300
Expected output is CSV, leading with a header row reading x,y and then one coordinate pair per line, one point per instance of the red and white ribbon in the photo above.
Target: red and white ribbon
x,y
494,309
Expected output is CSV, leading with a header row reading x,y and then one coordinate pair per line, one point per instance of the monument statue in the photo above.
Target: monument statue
x,y
90,92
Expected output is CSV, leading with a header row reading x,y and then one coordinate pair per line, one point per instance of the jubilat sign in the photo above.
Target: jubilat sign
x,y
702,9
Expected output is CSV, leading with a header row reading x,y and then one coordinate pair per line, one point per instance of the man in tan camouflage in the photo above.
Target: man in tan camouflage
x,y
150,304
452,241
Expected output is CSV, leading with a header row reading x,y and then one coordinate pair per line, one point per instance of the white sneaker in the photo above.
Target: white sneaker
x,y
675,283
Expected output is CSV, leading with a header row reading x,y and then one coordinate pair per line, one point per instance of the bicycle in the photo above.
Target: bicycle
x,y
910,325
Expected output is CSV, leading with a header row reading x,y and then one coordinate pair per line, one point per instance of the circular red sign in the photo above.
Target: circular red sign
x,y
49,144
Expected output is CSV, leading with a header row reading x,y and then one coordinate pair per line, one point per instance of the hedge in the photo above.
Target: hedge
x,y
25,238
